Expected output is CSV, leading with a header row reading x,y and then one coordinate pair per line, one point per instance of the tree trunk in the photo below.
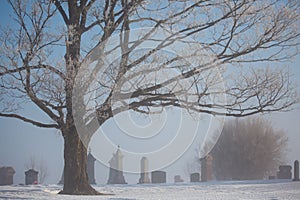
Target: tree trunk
x,y
75,174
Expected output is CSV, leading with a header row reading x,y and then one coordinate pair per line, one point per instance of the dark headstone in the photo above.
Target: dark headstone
x,y
284,172
31,177
195,177
116,169
296,170
178,179
6,175
144,171
206,168
159,177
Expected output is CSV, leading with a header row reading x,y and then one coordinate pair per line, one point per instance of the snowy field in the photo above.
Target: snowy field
x,y
230,190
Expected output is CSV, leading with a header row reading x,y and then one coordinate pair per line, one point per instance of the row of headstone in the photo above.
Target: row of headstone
x,y
115,175
116,171
206,171
7,176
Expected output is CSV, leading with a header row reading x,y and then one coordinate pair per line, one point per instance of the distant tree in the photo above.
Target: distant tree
x,y
248,149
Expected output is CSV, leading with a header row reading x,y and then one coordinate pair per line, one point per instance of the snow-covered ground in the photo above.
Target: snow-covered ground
x,y
230,190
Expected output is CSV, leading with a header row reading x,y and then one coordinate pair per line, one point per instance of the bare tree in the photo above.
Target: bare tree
x,y
52,43
248,149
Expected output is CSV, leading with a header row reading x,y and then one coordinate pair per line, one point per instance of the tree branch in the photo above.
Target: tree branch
x,y
61,11
36,123
40,66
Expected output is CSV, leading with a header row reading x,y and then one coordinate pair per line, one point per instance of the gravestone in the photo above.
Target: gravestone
x,y
296,170
6,175
91,168
31,177
159,177
116,169
206,168
284,172
178,179
144,171
195,177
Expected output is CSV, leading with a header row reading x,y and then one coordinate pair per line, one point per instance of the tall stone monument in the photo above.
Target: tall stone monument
x,y
206,168
144,171
6,175
296,170
116,169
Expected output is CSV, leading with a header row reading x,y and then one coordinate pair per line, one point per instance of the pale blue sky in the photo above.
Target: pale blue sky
x,y
20,141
